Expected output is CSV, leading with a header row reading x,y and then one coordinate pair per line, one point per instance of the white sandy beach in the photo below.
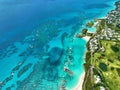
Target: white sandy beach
x,y
81,80
87,38
82,76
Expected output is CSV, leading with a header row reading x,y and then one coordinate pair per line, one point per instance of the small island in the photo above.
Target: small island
x,y
90,24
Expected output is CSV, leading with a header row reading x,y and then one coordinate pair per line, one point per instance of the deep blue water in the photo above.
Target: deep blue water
x,y
36,38
17,16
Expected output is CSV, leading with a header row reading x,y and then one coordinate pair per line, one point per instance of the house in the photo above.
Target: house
x,y
102,88
97,79
102,49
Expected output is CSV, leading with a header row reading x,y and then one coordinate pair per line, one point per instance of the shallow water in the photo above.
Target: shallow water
x,y
37,39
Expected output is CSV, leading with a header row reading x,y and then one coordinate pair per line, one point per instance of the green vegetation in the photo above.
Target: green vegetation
x,y
118,71
84,31
88,57
106,64
103,67
89,34
88,82
114,48
109,63
90,24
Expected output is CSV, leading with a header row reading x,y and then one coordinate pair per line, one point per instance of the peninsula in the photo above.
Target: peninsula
x,y
102,67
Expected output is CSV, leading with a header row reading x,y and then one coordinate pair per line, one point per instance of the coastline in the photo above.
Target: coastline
x,y
86,38
80,82
82,76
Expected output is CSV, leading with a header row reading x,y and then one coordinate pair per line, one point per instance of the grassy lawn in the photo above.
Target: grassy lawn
x,y
109,64
106,64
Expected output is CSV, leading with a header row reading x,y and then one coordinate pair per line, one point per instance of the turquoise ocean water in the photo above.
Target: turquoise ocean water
x,y
37,40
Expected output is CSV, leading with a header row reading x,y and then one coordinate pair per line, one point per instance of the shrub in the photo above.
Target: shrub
x,y
114,48
90,24
84,31
103,67
118,70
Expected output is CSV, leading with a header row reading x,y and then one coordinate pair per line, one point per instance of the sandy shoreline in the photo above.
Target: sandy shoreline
x,y
82,76
86,38
81,80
